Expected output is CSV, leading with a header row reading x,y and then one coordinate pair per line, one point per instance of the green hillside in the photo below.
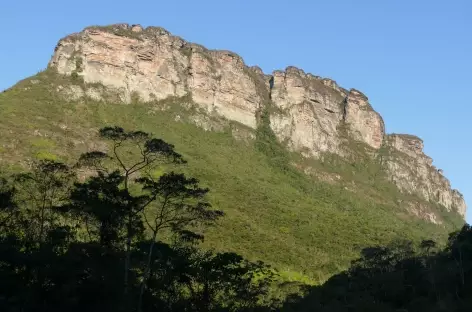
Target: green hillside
x,y
307,226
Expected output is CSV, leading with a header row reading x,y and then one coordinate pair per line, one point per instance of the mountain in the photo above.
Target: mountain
x,y
302,167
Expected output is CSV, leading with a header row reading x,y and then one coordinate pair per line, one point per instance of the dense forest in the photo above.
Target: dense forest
x,y
121,231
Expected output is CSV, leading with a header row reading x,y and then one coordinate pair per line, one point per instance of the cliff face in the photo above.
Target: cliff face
x,y
413,172
312,115
155,65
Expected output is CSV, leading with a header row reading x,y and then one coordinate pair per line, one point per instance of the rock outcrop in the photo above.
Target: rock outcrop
x,y
310,114
413,172
365,124
306,112
153,64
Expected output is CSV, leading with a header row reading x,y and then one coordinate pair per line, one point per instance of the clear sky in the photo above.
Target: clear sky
x,y
412,58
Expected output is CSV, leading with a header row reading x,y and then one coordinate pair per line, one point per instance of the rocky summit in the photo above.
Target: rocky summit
x,y
310,115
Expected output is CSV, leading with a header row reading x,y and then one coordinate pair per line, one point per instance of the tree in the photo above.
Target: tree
x,y
66,241
133,153
226,281
37,231
8,208
177,203
101,203
40,193
184,278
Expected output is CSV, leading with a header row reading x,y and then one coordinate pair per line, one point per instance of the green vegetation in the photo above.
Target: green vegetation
x,y
407,136
304,227
399,277
118,30
43,155
99,244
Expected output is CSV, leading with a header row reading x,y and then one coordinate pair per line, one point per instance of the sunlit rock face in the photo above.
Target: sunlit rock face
x,y
413,172
310,114
154,64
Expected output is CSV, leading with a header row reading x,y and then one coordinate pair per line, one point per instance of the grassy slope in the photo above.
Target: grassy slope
x,y
305,228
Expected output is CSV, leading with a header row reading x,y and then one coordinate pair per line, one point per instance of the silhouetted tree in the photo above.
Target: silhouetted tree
x,y
188,279
399,277
64,243
132,153
177,203
40,193
8,208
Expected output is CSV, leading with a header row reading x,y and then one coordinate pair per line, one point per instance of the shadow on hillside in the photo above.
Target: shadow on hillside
x,y
399,278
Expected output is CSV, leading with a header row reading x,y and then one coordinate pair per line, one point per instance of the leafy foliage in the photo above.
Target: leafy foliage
x,y
121,264
46,265
399,278
267,142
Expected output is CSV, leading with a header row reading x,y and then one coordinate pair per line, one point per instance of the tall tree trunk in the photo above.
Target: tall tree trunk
x,y
146,273
127,257
128,238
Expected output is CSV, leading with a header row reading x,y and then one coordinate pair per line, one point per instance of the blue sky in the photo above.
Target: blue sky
x,y
411,58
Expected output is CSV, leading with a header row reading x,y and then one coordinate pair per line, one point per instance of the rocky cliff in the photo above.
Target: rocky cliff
x,y
310,114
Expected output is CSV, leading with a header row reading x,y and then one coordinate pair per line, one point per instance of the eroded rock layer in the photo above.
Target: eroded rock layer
x,y
310,114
